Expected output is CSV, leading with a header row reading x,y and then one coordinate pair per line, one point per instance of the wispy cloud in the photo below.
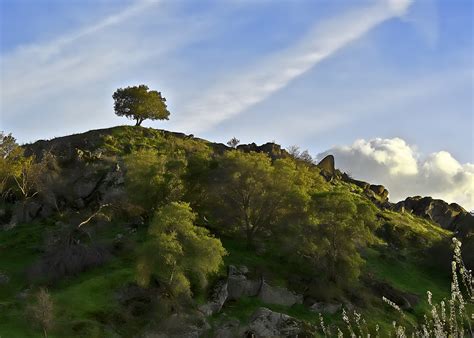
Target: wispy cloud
x,y
55,80
237,93
37,66
47,50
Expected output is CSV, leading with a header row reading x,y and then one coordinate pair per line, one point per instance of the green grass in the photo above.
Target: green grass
x,y
415,228
243,308
19,247
77,300
408,275
85,300
86,304
271,263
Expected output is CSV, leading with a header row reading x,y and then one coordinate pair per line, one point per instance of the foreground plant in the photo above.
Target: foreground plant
x,y
42,311
448,318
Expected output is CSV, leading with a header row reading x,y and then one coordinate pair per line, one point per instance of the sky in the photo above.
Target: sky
x,y
384,85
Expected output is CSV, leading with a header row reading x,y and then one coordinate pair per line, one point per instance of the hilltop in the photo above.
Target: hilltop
x,y
103,195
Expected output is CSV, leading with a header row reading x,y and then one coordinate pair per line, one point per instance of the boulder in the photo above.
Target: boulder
x,y
329,308
266,323
327,165
405,300
25,211
217,299
239,286
376,192
184,325
228,329
379,191
278,295
85,187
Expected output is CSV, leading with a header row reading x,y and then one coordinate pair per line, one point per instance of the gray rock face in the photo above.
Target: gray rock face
x,y
181,326
228,329
376,192
405,300
217,299
25,211
85,187
448,216
329,308
239,286
266,323
380,191
278,295
271,149
327,165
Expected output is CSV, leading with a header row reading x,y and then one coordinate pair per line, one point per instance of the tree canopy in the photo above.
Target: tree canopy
x,y
178,253
254,194
338,226
139,103
154,179
20,175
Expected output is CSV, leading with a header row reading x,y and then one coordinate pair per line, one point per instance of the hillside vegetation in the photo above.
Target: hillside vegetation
x,y
137,232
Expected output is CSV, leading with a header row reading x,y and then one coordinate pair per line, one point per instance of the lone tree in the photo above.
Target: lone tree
x,y
139,103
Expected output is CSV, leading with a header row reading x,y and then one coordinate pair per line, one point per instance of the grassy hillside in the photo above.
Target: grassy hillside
x,y
92,302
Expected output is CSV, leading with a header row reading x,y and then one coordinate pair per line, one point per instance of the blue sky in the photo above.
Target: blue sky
x,y
325,75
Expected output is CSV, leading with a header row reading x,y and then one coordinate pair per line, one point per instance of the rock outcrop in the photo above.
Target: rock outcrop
x,y
329,308
376,192
327,166
239,286
267,323
181,326
380,191
448,216
76,184
405,300
278,295
218,297
271,149
228,329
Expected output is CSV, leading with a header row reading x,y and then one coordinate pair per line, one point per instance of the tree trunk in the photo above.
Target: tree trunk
x,y
249,236
139,121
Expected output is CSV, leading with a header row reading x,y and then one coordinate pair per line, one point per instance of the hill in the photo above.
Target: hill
x,y
301,240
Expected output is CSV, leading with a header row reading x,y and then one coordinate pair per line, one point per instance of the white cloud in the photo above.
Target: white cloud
x,y
398,166
394,154
240,91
